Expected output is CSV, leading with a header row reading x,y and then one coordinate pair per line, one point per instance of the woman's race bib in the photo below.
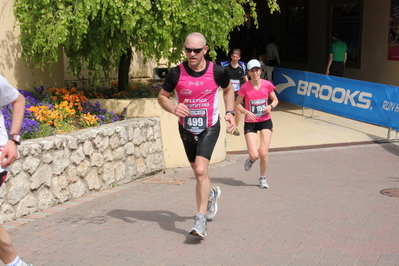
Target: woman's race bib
x,y
257,107
235,83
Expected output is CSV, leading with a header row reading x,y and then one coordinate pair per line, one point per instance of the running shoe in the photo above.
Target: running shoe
x,y
248,164
212,203
23,263
236,132
263,183
199,228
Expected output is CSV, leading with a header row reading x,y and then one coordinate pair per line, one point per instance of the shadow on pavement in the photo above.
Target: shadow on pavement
x,y
394,149
230,182
165,219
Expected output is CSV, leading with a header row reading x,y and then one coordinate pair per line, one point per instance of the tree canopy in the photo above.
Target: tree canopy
x,y
96,33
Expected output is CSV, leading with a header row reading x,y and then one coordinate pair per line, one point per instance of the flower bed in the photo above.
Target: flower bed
x,y
56,111
54,167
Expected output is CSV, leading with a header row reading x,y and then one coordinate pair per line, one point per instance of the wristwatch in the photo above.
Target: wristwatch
x,y
16,138
231,112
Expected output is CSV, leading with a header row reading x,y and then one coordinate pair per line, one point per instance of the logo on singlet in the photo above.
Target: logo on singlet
x,y
186,91
207,92
196,83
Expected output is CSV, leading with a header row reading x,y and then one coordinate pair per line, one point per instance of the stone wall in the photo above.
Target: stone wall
x,y
173,149
59,168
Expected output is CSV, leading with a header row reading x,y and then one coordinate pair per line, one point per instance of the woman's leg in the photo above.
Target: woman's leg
x,y
251,139
265,138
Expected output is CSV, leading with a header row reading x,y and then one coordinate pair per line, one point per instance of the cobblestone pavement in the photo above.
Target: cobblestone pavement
x,y
323,207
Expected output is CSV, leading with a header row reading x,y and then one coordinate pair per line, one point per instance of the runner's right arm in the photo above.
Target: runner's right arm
x,y
164,95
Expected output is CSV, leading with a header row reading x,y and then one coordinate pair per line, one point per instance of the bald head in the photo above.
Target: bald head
x,y
195,49
196,36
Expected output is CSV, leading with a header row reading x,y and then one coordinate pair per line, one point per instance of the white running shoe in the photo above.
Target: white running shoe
x,y
199,228
212,203
263,183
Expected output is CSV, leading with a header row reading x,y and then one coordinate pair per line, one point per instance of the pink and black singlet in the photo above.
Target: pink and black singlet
x,y
202,95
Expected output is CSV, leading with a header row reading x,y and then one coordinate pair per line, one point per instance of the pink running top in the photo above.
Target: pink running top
x,y
257,100
202,95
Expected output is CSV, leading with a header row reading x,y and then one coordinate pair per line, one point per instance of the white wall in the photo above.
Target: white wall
x,y
375,66
12,66
137,68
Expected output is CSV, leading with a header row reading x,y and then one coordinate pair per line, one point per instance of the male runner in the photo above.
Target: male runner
x,y
196,83
238,76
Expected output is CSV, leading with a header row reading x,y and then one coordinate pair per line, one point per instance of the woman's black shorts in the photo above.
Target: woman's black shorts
x,y
202,144
255,127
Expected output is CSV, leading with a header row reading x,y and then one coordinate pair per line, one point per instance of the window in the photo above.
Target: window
x,y
295,39
346,21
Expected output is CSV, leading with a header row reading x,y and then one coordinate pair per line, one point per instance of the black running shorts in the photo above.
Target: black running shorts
x,y
255,127
202,144
3,176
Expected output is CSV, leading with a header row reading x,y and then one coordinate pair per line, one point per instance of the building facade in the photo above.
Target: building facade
x,y
302,31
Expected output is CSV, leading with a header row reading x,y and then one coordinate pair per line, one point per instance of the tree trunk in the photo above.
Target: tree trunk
x,y
123,71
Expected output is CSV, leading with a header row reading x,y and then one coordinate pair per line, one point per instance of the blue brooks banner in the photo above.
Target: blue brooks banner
x,y
359,100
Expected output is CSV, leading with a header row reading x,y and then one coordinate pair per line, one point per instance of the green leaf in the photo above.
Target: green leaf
x,y
93,33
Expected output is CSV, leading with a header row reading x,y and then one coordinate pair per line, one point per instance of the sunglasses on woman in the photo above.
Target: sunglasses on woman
x,y
197,50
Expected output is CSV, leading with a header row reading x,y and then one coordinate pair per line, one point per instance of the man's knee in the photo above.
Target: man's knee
x,y
200,171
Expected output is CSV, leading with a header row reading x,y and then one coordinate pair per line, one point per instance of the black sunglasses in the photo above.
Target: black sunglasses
x,y
197,51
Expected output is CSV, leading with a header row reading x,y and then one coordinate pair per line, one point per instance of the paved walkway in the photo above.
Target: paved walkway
x,y
323,207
